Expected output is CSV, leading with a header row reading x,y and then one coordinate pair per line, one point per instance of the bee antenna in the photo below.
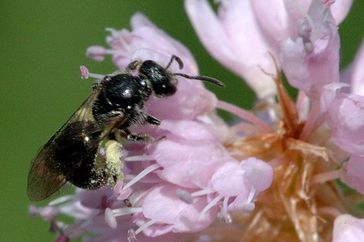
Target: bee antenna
x,y
202,78
177,59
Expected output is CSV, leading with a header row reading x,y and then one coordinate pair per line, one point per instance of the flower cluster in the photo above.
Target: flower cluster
x,y
281,175
180,182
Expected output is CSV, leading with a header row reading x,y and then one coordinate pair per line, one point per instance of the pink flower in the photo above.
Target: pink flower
x,y
167,185
145,41
348,229
249,33
311,60
181,217
279,19
233,30
354,173
346,119
240,183
148,42
273,172
357,72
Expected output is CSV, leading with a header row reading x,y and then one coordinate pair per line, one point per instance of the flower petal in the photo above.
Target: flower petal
x,y
242,46
348,229
339,9
346,119
312,60
354,173
357,72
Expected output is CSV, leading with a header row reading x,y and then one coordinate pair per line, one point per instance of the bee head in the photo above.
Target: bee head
x,y
164,83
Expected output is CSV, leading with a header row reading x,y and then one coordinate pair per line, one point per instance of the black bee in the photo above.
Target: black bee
x,y
86,150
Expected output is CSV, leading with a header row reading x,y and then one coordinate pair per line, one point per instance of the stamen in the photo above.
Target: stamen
x,y
131,235
334,212
97,76
328,3
110,218
202,193
304,30
251,196
184,196
111,30
211,204
48,213
308,46
139,158
119,193
314,118
119,39
326,176
112,214
224,211
142,174
144,226
245,115
96,53
85,74
126,210
245,128
75,230
302,104
61,200
249,206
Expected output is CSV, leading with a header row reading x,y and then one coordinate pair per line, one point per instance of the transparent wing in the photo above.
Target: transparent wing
x,y
44,177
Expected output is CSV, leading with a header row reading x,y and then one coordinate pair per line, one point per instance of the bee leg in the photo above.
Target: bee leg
x,y
139,138
133,65
150,119
116,135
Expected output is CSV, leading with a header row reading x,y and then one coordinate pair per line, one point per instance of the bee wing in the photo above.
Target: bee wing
x,y
44,177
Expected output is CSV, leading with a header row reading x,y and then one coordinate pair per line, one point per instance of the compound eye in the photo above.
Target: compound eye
x,y
165,88
163,82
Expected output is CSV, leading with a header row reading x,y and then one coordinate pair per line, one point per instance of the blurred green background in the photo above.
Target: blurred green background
x,y
42,45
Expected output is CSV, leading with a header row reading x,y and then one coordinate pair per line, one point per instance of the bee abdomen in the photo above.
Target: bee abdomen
x,y
76,155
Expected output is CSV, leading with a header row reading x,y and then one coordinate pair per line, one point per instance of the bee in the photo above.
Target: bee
x,y
86,151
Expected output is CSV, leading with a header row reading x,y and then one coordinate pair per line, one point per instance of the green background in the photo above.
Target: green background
x,y
43,43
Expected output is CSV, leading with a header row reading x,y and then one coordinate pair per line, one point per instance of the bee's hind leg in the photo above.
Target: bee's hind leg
x,y
138,138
